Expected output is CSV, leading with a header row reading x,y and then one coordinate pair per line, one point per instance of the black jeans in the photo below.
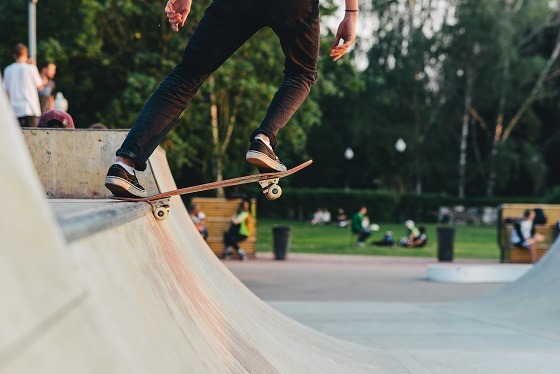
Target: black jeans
x,y
363,235
225,26
233,238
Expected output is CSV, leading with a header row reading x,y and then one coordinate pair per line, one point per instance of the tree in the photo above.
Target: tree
x,y
404,91
494,43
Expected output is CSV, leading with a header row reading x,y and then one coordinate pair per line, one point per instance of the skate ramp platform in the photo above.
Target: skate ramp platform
x,y
91,285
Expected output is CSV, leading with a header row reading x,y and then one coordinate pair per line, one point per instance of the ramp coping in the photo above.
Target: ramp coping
x,y
81,218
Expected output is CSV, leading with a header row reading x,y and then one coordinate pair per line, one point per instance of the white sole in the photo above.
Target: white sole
x,y
259,159
123,185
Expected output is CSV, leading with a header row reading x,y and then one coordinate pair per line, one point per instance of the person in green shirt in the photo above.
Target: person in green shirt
x,y
238,231
357,227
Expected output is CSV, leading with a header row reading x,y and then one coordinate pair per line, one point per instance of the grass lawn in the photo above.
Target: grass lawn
x,y
471,242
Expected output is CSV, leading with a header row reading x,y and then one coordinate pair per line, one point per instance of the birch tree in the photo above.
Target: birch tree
x,y
509,76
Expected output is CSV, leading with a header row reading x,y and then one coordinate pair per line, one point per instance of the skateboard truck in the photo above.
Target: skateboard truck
x,y
270,188
160,208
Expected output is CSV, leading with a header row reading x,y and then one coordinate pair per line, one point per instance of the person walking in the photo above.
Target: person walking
x,y
22,82
225,26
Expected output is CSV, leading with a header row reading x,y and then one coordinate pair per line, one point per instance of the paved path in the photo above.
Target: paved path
x,y
308,277
388,304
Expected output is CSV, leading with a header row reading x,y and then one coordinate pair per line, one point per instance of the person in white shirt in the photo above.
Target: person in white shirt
x,y
22,82
524,234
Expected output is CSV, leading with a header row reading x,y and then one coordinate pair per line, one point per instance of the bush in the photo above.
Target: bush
x,y
383,205
425,207
301,203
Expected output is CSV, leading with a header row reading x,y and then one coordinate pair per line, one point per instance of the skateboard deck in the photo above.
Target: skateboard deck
x,y
268,181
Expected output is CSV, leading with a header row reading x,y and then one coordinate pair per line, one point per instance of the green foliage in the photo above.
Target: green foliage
x,y
471,242
425,207
411,84
554,196
499,45
303,202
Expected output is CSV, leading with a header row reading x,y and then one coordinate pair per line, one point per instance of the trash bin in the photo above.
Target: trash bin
x,y
281,236
445,238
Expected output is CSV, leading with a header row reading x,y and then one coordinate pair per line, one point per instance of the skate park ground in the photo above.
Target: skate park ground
x,y
352,278
388,303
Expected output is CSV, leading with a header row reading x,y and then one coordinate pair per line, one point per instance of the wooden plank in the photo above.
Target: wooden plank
x,y
552,211
515,211
218,219
521,255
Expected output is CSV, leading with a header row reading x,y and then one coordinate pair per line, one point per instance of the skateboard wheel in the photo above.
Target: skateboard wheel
x,y
274,192
161,213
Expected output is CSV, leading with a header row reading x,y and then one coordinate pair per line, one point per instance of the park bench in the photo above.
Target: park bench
x,y
508,213
218,219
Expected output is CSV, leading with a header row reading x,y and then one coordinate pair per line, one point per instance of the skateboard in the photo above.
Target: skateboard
x,y
269,183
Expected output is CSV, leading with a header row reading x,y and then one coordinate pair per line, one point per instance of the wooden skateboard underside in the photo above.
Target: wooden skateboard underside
x,y
268,182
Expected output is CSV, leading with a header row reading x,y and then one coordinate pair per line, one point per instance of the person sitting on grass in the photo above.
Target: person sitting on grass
x,y
341,218
411,233
387,240
421,240
321,216
357,227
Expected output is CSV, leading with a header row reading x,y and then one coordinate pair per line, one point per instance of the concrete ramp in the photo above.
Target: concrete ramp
x,y
532,303
136,295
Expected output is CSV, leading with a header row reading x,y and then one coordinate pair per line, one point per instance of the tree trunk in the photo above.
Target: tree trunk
x,y
216,146
417,174
498,132
465,135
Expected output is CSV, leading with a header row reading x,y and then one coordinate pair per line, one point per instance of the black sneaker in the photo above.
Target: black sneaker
x,y
264,158
123,184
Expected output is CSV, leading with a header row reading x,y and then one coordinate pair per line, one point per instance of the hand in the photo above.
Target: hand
x,y
177,12
347,33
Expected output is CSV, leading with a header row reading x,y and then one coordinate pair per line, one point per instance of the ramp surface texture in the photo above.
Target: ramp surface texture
x,y
139,296
99,286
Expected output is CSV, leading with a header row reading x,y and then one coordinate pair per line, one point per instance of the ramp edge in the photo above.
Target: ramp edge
x,y
81,218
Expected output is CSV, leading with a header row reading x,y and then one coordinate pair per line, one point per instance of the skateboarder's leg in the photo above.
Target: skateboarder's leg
x,y
299,37
217,36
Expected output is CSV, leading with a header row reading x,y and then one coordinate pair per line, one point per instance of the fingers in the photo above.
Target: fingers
x,y
169,8
336,41
175,19
337,51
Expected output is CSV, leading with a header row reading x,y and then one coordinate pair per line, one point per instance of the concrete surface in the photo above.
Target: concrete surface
x,y
390,305
147,296
311,277
477,273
